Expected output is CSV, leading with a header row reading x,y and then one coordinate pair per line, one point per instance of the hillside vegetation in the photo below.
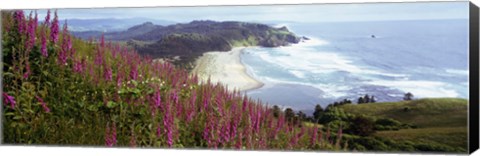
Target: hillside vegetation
x,y
440,112
60,90
440,123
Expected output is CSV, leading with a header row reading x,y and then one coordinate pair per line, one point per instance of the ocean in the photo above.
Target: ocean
x,y
346,60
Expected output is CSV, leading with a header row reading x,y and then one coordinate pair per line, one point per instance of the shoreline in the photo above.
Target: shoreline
x,y
226,68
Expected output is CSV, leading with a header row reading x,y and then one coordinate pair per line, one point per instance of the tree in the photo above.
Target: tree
x,y
302,116
360,100
289,114
346,101
366,98
362,126
372,99
276,111
317,114
408,96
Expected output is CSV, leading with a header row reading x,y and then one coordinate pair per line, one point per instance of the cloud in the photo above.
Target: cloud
x,y
296,13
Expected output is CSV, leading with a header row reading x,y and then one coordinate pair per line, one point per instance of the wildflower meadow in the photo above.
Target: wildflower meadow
x,y
61,90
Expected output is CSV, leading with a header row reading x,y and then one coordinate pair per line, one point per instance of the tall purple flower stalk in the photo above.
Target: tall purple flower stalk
x,y
191,110
66,46
99,56
119,77
62,57
19,19
257,120
31,27
7,99
207,131
44,105
47,19
157,99
134,72
43,48
110,135
54,29
244,104
28,72
280,124
108,73
236,120
313,139
239,143
205,102
79,66
167,123
225,132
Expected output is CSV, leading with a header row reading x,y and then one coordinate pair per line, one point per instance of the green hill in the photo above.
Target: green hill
x,y
441,112
440,121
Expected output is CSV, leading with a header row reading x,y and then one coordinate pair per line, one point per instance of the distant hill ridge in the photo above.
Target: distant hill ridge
x,y
190,40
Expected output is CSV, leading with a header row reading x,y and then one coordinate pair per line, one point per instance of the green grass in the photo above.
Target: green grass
x,y
310,124
439,112
451,136
439,120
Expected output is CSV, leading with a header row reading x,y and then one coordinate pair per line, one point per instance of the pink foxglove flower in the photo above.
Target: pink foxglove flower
x,y
157,99
66,46
79,66
313,139
54,29
47,18
31,28
7,99
44,105
134,72
19,19
111,135
108,74
168,123
28,72
43,48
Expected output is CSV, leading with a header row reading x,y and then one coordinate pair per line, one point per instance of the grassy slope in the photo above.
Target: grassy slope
x,y
439,120
441,112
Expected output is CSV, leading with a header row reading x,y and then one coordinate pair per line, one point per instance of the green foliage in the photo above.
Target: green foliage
x,y
422,112
419,124
362,126
106,94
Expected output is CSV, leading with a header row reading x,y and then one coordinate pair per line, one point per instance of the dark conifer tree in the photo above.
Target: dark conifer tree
x,y
372,99
317,114
366,99
360,100
289,114
408,96
276,111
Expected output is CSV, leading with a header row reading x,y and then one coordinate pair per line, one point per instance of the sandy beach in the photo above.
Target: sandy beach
x,y
226,68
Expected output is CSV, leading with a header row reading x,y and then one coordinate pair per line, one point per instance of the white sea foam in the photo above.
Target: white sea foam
x,y
331,90
420,88
457,71
304,59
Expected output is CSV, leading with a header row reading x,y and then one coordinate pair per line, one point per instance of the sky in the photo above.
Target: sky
x,y
290,13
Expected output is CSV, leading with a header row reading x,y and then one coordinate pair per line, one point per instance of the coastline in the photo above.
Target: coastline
x,y
226,68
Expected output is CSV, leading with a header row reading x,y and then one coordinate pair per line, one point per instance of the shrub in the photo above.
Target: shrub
x,y
362,126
